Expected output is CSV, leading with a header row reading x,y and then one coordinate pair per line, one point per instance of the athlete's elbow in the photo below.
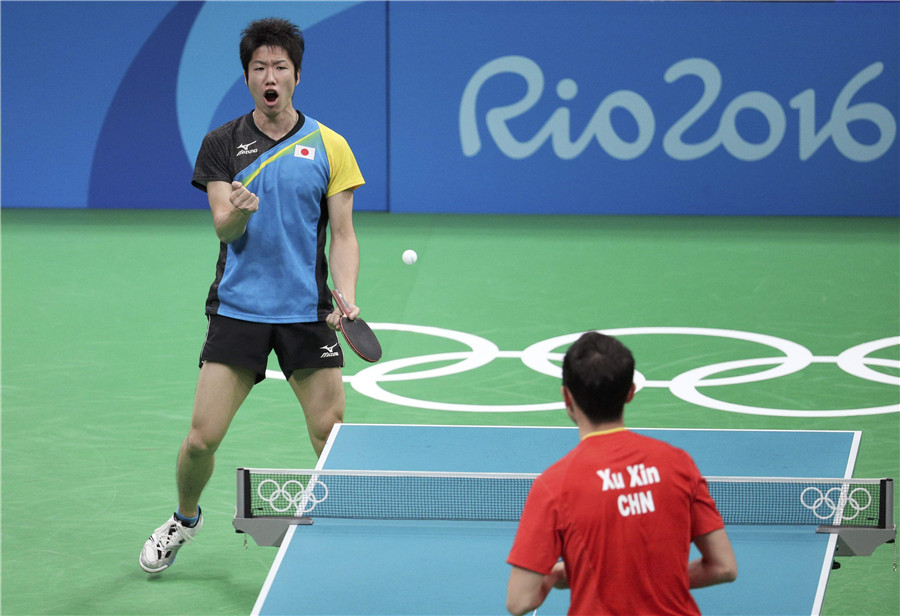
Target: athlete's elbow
x,y
227,233
721,573
728,573
521,605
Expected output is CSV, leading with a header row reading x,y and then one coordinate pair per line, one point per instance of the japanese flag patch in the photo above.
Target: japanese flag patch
x,y
304,151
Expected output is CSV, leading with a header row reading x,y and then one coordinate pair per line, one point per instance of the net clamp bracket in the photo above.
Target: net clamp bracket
x,y
859,541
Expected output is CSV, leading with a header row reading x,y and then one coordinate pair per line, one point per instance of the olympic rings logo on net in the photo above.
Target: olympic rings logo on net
x,y
292,495
540,357
828,504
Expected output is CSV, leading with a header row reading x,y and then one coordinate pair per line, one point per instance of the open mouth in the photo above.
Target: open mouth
x,y
271,95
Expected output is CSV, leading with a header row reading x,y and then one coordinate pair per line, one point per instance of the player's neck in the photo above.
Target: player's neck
x,y
278,125
586,427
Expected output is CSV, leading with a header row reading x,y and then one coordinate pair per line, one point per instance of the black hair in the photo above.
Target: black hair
x,y
272,32
598,370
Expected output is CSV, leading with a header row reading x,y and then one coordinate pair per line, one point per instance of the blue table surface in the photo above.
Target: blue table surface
x,y
446,567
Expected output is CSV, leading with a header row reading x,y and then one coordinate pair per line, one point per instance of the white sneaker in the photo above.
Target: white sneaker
x,y
162,546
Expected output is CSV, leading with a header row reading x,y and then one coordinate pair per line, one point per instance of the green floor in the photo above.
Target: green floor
x,y
102,323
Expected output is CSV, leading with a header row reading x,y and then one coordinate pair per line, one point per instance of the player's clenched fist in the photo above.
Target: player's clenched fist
x,y
242,199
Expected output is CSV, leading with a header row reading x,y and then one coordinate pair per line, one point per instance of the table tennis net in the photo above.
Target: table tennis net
x,y
280,493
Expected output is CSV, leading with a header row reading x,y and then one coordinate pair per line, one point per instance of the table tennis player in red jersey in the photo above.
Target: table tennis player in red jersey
x,y
620,509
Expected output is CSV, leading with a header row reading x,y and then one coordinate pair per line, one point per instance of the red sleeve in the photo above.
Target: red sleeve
x,y
705,516
537,546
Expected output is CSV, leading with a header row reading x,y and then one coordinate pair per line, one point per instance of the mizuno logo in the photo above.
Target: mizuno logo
x,y
329,351
244,148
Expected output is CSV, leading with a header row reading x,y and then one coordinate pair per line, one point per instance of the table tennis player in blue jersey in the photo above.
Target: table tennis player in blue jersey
x,y
276,180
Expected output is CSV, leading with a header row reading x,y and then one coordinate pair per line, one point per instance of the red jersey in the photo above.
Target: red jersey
x,y
621,510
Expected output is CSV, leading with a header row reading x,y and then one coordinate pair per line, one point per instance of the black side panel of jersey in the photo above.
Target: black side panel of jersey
x,y
325,302
212,300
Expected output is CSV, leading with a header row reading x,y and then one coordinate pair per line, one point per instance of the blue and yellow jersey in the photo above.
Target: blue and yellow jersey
x,y
277,271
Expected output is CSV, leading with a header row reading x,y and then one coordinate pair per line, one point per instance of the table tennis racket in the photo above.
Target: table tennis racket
x,y
357,333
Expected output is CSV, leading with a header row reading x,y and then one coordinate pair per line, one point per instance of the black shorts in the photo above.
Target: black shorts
x,y
248,345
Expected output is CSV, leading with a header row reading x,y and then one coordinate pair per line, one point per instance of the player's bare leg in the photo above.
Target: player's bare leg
x,y
220,392
221,389
321,394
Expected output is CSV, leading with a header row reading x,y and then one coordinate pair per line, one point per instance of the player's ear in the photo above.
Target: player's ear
x,y
631,393
568,400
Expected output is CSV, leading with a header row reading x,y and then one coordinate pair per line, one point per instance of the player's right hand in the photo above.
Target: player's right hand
x,y
242,199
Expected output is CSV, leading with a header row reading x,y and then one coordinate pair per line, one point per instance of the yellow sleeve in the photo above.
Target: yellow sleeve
x,y
345,173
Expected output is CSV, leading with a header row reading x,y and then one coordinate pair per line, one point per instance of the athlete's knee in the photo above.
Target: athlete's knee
x,y
321,423
198,445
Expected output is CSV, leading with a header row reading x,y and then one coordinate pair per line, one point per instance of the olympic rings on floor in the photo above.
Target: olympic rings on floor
x,y
540,357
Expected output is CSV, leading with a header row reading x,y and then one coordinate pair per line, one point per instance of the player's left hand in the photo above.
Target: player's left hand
x,y
334,319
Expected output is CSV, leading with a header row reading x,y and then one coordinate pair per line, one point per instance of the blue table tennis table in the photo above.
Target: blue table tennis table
x,y
354,566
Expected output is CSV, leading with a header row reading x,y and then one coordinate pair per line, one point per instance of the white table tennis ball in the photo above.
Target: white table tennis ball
x,y
409,256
